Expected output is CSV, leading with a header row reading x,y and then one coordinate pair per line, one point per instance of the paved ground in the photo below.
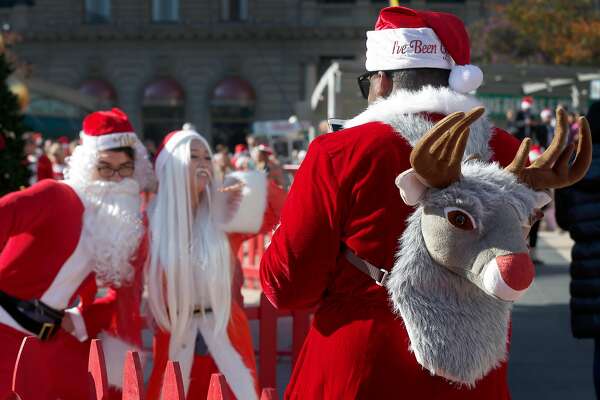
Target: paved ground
x,y
546,362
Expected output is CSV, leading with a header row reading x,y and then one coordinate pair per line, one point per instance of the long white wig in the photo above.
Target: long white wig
x,y
190,259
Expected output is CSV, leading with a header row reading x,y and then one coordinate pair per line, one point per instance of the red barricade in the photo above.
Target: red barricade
x,y
249,255
26,387
267,317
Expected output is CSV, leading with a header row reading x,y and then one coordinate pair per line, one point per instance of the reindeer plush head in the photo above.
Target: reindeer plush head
x,y
463,257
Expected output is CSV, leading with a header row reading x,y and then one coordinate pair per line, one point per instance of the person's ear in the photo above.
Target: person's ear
x,y
386,84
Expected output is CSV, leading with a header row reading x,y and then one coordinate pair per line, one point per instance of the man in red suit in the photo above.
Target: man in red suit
x,y
344,197
58,240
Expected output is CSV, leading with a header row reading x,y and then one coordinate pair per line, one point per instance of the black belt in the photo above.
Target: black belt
x,y
33,315
379,275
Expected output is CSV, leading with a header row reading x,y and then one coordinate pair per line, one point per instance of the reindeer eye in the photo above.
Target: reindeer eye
x,y
460,219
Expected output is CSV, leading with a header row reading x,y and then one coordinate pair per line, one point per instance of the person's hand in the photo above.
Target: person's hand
x,y
234,195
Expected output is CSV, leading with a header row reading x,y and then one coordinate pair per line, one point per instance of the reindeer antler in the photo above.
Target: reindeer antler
x,y
551,170
437,156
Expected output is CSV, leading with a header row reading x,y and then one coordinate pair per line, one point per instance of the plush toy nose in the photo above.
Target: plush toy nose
x,y
508,277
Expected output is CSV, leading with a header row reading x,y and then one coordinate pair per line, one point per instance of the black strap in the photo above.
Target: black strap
x,y
33,315
379,275
198,310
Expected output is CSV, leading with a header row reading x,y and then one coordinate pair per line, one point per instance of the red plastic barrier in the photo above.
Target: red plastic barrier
x,y
133,377
29,380
173,383
218,388
267,317
249,255
27,371
269,394
98,382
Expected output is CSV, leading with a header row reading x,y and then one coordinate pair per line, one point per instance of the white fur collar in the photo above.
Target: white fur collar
x,y
428,99
400,111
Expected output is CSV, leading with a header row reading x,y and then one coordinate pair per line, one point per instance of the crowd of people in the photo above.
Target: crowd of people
x,y
380,233
539,126
46,158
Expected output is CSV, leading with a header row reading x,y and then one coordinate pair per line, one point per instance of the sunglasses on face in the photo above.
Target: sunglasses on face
x,y
364,82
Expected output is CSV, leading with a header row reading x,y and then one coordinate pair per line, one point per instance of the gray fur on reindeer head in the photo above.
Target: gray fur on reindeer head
x,y
463,258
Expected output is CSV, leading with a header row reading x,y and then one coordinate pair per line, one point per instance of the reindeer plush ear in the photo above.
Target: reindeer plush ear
x,y
412,189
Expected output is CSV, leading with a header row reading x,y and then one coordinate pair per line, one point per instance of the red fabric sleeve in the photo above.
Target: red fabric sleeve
x,y
295,268
97,313
44,168
25,210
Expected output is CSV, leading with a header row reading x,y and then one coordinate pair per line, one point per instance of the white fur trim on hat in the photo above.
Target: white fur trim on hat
x,y
108,141
402,48
465,78
173,141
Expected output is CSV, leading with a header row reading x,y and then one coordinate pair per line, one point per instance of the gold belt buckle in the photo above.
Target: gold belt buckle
x,y
46,331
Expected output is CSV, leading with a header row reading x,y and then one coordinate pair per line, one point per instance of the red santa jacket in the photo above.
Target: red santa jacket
x,y
344,194
42,256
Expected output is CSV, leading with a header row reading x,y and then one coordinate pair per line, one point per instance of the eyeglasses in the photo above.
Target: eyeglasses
x,y
364,82
124,171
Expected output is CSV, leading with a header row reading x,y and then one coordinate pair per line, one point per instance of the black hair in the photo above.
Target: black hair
x,y
129,151
416,78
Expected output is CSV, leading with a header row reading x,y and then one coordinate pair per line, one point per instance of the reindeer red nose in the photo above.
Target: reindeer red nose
x,y
508,277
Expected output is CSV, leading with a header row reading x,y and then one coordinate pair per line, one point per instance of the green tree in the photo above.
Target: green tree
x,y
14,173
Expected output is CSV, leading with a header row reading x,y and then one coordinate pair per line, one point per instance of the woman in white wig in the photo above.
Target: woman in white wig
x,y
190,273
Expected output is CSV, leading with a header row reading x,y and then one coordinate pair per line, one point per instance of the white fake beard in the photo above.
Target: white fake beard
x,y
113,228
456,330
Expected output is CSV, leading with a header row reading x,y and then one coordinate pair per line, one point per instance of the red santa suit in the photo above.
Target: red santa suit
x,y
45,255
232,355
344,195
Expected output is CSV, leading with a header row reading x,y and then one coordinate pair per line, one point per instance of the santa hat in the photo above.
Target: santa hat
x,y
240,148
264,148
170,143
526,102
405,38
105,130
546,113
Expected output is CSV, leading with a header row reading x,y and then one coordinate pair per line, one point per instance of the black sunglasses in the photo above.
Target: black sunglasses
x,y
364,82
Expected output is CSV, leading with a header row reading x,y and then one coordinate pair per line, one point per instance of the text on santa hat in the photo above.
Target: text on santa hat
x,y
417,46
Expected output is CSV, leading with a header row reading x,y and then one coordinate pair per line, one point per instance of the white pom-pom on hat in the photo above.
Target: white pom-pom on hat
x,y
465,78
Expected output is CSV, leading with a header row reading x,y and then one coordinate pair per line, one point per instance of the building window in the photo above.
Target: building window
x,y
165,10
163,108
234,10
97,11
232,107
12,3
100,90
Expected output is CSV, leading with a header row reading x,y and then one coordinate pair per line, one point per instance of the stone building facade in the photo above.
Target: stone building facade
x,y
219,64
